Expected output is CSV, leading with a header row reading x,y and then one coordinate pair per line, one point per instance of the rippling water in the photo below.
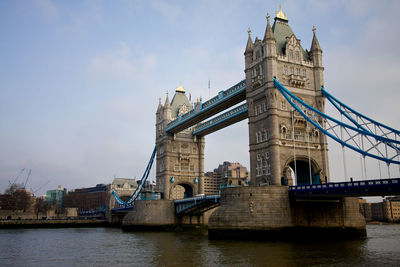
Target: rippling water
x,y
111,246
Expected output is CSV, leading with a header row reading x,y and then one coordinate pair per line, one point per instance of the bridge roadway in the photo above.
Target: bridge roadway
x,y
224,100
381,187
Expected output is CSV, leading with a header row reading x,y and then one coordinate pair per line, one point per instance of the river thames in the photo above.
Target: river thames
x,y
114,247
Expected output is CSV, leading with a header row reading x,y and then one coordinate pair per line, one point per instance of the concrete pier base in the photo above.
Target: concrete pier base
x,y
150,215
159,215
268,213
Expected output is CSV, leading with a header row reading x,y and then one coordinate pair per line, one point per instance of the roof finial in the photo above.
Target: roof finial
x,y
268,17
180,88
314,29
249,31
280,14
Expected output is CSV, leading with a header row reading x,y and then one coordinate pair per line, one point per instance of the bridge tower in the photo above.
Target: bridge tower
x,y
180,157
281,140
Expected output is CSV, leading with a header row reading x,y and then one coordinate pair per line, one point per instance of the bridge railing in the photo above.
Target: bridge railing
x,y
222,96
231,113
361,186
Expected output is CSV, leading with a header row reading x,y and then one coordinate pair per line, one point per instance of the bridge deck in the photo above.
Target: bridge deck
x,y
381,187
224,100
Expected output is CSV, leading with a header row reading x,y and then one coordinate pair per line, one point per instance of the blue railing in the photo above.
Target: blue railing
x,y
376,187
235,112
222,96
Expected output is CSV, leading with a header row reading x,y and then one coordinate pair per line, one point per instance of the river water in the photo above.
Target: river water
x,y
114,247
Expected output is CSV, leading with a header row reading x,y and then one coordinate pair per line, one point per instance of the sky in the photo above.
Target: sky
x,y
81,80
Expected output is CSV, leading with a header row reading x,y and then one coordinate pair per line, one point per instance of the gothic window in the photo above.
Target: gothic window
x,y
304,73
297,55
299,134
286,70
183,109
290,55
191,167
184,165
283,105
263,108
291,70
264,135
267,155
258,170
258,157
176,165
258,109
297,71
257,141
184,148
268,171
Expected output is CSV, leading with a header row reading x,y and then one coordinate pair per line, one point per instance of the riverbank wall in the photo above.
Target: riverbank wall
x,y
268,213
160,215
9,224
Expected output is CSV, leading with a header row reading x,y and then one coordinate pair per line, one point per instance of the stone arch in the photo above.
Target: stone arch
x,y
181,190
303,171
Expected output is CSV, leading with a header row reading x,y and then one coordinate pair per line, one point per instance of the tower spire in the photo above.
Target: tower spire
x,y
250,45
167,104
269,35
315,44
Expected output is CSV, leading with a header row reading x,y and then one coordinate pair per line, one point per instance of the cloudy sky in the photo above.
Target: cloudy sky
x,y
80,80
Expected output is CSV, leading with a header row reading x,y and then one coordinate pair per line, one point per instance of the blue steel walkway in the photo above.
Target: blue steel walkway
x,y
196,205
381,187
224,100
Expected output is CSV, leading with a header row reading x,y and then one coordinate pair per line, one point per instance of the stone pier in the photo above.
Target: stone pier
x,y
268,213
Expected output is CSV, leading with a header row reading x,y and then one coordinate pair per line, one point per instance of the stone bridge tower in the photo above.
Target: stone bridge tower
x,y
281,141
180,157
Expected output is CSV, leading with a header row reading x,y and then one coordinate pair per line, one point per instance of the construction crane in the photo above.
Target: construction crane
x,y
16,178
34,191
27,177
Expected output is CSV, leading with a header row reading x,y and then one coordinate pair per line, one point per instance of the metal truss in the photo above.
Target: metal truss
x,y
138,189
367,137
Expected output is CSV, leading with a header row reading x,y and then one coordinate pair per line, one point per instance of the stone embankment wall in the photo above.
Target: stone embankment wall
x,y
160,215
267,212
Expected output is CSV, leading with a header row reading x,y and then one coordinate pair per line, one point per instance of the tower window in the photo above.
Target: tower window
x,y
285,70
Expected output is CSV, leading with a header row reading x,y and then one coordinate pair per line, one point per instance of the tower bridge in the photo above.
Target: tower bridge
x,y
283,98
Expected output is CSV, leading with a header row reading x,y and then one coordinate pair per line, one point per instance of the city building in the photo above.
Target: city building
x,y
87,199
388,210
227,174
56,196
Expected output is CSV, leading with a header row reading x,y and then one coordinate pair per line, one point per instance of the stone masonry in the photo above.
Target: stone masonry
x,y
180,157
279,137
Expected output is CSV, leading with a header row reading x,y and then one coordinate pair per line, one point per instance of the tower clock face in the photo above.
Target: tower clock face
x,y
183,109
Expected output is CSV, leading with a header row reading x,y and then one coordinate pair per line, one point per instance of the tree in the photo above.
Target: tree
x,y
19,196
41,206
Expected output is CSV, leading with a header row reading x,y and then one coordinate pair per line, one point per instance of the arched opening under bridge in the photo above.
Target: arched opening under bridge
x,y
181,191
301,172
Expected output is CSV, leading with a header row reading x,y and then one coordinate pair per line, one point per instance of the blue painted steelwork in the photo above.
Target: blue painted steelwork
x,y
381,187
196,204
340,105
138,189
316,118
229,115
221,97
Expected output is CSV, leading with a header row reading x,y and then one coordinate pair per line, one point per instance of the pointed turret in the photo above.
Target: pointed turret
x,y
159,106
250,45
315,44
269,35
167,103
